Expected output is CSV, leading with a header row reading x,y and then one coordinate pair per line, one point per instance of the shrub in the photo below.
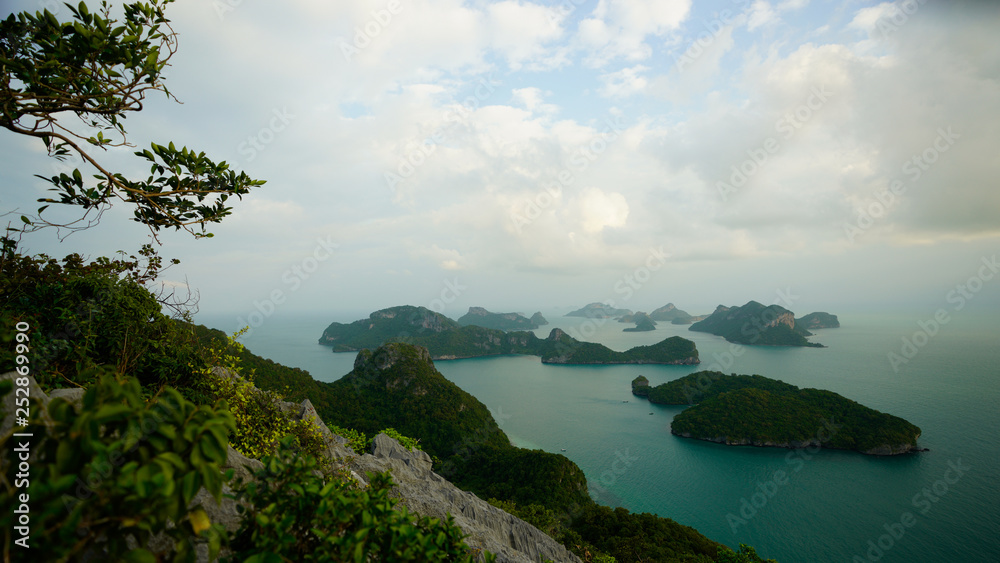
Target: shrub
x,y
295,515
120,467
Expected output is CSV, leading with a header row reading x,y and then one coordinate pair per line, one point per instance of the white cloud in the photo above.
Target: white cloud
x,y
624,83
619,28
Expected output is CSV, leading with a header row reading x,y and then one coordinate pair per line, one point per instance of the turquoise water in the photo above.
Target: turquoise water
x,y
792,505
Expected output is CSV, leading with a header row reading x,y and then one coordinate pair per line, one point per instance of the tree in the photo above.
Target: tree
x,y
100,69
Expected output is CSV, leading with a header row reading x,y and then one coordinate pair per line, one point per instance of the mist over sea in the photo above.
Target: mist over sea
x,y
936,506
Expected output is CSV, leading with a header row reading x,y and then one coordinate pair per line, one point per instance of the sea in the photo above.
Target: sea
x,y
942,505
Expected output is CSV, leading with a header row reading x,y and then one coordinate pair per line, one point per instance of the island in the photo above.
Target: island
x,y
818,320
759,411
755,324
503,321
538,320
673,315
446,339
642,323
599,311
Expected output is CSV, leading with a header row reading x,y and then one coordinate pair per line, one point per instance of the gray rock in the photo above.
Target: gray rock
x,y
428,494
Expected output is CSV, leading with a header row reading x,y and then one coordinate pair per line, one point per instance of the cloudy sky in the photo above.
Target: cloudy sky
x,y
520,155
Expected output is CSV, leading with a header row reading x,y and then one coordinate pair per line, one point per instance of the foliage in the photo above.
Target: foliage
x,y
120,467
703,385
356,440
100,69
759,409
83,315
260,419
294,515
631,537
746,554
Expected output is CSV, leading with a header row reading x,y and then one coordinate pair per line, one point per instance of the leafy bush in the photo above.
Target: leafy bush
x,y
120,467
85,315
295,515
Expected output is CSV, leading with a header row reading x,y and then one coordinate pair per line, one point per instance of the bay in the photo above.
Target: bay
x,y
791,505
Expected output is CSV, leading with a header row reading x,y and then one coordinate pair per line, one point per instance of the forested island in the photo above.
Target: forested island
x,y
448,340
673,315
599,310
642,323
479,316
758,411
756,324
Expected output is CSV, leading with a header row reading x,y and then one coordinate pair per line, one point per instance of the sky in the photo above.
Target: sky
x,y
522,155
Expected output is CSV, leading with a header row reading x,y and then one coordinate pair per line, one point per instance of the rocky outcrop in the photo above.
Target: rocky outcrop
x,y
670,313
429,494
599,311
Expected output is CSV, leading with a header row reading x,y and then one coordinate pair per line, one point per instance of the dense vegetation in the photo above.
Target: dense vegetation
x,y
446,339
501,321
756,324
397,385
761,411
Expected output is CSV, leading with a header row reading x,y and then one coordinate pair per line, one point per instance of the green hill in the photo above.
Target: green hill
x,y
502,321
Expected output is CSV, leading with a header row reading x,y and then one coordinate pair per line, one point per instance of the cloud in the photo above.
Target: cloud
x,y
624,83
619,28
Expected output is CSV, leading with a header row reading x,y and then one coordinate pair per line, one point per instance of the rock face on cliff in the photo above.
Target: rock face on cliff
x,y
754,323
429,494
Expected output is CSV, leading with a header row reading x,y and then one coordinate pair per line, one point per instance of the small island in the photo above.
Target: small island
x,y
814,321
642,323
599,311
538,320
758,411
756,324
446,339
671,314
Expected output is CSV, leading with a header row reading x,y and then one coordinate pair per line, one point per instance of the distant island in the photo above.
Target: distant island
x,y
479,316
754,323
758,411
642,323
599,311
814,321
446,339
673,315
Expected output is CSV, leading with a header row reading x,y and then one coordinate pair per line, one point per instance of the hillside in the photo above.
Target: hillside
x,y
818,320
398,386
447,340
758,411
755,324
